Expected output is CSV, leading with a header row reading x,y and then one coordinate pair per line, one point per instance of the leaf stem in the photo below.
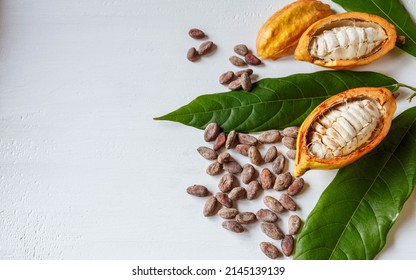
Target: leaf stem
x,y
398,85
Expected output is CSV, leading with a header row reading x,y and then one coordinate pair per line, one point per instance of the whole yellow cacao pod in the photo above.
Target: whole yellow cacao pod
x,y
281,32
344,128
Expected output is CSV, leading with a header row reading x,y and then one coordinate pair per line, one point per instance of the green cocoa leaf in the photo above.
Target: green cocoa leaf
x,y
393,11
356,211
273,103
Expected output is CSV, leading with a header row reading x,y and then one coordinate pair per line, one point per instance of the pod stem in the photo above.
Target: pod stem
x,y
409,87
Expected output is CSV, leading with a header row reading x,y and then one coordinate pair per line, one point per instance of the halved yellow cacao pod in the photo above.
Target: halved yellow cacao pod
x,y
281,32
344,128
346,40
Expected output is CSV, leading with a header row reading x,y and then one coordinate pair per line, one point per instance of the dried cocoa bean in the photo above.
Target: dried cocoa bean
x,y
211,131
296,186
270,136
287,245
219,141
245,82
237,193
214,168
198,190
265,215
255,156
253,188
226,77
245,218
248,71
241,49
233,226
235,60
283,181
224,157
270,250
224,199
247,139
294,224
196,33
267,179
289,142
231,138
248,173
252,59
207,153
210,206
226,182
192,55
291,131
228,213
287,202
278,164
205,48
235,85
232,167
273,204
271,154
291,154
242,149
272,231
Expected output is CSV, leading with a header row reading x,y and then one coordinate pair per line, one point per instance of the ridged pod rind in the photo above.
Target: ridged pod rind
x,y
281,32
305,160
302,50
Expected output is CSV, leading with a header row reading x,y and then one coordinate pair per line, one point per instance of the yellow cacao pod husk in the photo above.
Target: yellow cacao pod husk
x,y
281,32
346,40
343,128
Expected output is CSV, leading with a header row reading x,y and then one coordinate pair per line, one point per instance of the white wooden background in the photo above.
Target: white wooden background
x,y
85,173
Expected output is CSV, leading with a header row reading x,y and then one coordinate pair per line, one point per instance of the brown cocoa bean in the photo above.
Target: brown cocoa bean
x,y
219,142
233,226
235,85
247,139
192,55
231,139
228,213
252,59
210,206
265,215
278,164
245,218
198,190
291,154
283,181
253,188
273,204
267,179
287,245
214,168
207,153
287,202
211,131
224,199
224,157
205,48
226,182
245,82
237,193
235,60
196,33
296,186
291,131
270,136
226,77
248,173
271,154
232,167
294,223
248,71
255,156
241,49
270,250
272,231
289,142
242,149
